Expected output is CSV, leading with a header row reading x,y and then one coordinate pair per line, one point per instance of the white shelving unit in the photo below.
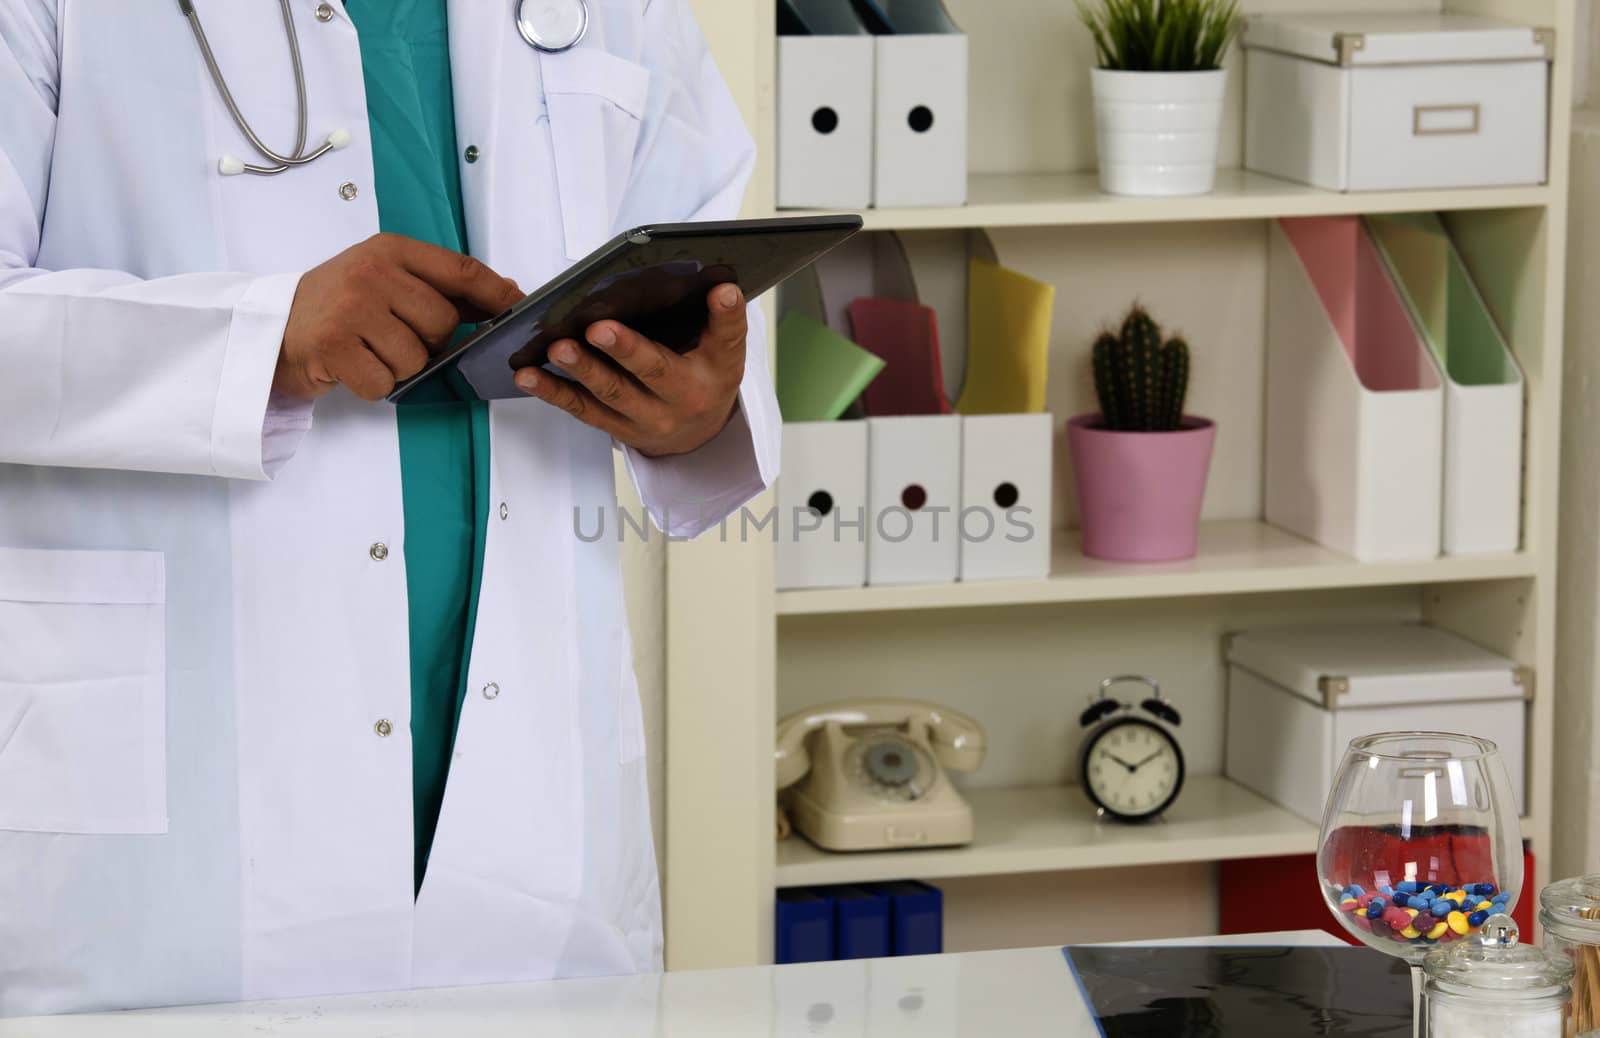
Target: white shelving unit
x,y
1234,556
1047,829
739,654
1055,199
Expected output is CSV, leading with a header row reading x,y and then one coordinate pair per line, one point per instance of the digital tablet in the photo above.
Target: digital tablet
x,y
653,279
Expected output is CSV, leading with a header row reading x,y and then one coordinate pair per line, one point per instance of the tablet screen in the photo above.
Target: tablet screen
x,y
654,280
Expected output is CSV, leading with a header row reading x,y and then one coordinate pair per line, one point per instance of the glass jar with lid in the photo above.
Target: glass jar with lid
x,y
1492,986
1569,913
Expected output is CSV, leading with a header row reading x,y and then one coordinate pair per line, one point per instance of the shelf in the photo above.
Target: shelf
x,y
1058,199
1054,828
1234,557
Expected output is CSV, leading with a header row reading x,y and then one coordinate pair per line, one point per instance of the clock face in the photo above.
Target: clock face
x,y
1132,768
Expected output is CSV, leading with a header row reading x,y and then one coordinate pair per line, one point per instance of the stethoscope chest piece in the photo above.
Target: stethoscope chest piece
x,y
553,25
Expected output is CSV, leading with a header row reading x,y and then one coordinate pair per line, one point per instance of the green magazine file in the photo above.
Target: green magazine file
x,y
1482,383
820,372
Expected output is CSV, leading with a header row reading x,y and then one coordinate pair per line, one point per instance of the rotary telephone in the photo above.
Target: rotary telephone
x,y
870,774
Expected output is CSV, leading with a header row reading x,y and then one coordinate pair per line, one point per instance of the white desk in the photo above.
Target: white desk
x,y
1024,992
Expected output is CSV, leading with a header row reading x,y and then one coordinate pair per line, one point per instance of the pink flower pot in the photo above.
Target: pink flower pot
x,y
1140,492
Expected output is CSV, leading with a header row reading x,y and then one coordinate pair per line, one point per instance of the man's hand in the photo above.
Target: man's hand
x,y
648,397
373,314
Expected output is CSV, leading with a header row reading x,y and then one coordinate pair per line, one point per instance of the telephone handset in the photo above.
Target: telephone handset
x,y
870,774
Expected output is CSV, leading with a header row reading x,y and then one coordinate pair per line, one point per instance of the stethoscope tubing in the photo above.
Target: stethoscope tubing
x,y
298,157
339,138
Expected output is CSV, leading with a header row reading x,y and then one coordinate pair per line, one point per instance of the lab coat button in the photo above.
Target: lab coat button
x,y
505,512
324,12
379,551
383,728
491,690
472,153
347,191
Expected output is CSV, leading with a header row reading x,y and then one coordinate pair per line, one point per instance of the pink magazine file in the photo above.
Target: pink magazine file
x,y
1367,313
1355,406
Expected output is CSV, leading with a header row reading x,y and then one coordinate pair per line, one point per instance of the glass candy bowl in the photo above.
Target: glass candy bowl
x,y
1421,842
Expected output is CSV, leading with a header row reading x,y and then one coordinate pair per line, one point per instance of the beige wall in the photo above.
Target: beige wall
x,y
1577,830
1586,70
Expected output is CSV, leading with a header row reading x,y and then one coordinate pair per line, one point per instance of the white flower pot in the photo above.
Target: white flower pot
x,y
1158,131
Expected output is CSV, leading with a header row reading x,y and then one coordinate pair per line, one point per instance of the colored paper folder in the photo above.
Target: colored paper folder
x,y
1008,341
906,336
1482,383
819,372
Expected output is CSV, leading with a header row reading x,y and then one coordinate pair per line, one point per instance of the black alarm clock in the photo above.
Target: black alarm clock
x,y
1131,766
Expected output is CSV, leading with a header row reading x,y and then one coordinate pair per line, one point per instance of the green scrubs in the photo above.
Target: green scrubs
x,y
444,428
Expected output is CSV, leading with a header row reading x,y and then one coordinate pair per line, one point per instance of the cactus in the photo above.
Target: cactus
x,y
1141,381
1176,366
1107,379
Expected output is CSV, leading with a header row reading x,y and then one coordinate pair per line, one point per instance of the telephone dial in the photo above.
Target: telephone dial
x,y
871,774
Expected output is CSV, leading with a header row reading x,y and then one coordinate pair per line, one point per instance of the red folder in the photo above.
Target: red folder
x,y
906,337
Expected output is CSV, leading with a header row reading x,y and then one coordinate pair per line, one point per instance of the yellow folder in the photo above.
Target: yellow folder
x,y
1008,341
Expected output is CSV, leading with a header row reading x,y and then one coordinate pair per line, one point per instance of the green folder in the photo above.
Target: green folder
x,y
820,372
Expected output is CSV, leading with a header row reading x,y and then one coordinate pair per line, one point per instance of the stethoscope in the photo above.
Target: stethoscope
x,y
548,25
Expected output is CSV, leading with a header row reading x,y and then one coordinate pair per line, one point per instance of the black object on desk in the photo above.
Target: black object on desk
x,y
1244,992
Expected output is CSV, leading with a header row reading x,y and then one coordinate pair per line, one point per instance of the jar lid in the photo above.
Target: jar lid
x,y
1494,961
1572,906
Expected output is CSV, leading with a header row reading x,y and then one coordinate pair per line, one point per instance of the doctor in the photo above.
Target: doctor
x,y
302,692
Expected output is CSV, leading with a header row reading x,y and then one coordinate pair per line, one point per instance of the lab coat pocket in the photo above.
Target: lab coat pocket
x,y
596,102
82,691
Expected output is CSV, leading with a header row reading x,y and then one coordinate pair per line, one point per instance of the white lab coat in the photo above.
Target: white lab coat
x,y
203,625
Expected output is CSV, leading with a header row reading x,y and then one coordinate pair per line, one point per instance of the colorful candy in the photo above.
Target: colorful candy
x,y
1422,913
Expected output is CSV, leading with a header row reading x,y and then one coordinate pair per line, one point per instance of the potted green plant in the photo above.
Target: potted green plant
x,y
1140,463
1158,91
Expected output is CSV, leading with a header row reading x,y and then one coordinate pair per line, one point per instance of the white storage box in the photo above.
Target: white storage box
x,y
1386,101
1298,695
1355,410
913,497
921,108
822,505
1005,496
825,121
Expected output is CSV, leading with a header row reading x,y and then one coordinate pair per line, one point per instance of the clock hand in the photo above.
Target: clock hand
x,y
1119,760
1147,760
